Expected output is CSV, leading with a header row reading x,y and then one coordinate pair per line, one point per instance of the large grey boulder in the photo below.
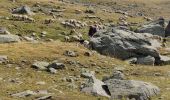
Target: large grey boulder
x,y
153,28
124,44
23,10
131,89
8,38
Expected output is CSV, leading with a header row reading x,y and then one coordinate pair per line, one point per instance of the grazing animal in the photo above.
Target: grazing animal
x,y
92,30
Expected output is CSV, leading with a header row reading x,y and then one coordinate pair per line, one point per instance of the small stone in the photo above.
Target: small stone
x,y
90,11
121,69
9,65
4,31
118,75
56,65
71,62
132,60
52,70
70,53
33,34
63,79
87,74
41,83
72,86
88,54
93,64
3,59
70,80
157,74
1,78
42,92
40,65
17,68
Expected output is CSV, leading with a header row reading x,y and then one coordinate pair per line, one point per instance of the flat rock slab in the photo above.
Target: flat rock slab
x,y
9,38
24,94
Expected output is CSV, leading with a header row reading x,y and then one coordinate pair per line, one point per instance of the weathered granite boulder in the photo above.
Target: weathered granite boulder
x,y
124,44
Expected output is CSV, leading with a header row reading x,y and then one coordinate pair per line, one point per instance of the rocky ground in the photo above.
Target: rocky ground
x,y
46,62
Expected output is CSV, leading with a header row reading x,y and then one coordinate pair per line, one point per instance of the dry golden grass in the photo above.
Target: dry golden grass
x,y
54,50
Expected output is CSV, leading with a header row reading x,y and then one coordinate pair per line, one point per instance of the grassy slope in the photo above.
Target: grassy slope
x,y
54,50
54,30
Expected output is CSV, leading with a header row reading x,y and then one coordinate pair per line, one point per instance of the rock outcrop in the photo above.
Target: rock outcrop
x,y
124,44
